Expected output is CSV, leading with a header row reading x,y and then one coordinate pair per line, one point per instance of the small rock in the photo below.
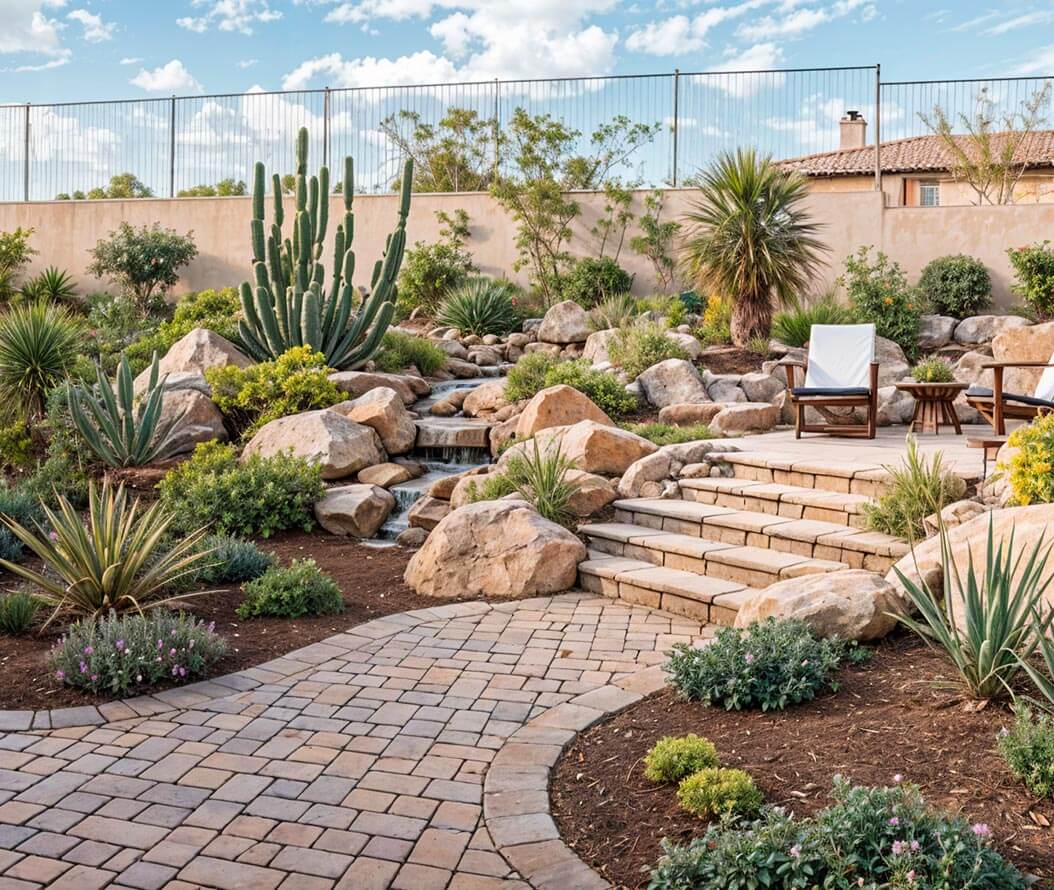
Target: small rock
x,y
411,537
383,410
745,417
427,512
690,414
936,331
385,475
357,510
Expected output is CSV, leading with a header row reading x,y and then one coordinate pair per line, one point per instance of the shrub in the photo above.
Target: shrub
x,y
716,791
51,284
300,589
233,560
637,348
20,506
39,343
144,262
258,496
541,478
716,329
527,376
591,280
491,487
1028,748
672,759
1030,476
917,488
430,271
15,254
400,351
669,308
116,326
603,389
112,562
17,611
956,285
61,473
296,381
793,326
769,665
16,445
613,312
121,655
933,370
1034,277
481,306
666,434
879,293
215,310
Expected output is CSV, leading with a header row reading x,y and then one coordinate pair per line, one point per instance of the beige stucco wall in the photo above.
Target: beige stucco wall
x,y
65,230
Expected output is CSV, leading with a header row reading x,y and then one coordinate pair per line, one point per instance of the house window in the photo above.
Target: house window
x,y
929,194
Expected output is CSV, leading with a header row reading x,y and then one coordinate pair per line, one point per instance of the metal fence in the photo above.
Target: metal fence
x,y
176,143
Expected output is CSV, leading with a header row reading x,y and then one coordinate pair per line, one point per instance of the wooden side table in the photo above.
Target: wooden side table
x,y
933,405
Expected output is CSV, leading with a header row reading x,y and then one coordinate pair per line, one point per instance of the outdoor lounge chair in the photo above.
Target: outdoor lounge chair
x,y
996,405
840,373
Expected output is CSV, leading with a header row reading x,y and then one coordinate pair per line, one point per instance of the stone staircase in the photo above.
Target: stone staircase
x,y
727,538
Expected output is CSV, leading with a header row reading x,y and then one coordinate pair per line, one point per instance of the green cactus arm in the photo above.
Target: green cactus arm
x,y
265,309
365,350
349,184
296,331
256,228
323,208
279,207
301,193
301,151
259,189
338,260
311,325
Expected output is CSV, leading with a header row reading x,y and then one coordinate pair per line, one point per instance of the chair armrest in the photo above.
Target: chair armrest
x,y
790,364
991,365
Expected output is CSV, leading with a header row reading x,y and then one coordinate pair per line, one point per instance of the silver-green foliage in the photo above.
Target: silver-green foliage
x,y
120,431
288,304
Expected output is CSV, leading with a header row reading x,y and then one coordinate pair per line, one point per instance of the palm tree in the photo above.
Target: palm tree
x,y
750,238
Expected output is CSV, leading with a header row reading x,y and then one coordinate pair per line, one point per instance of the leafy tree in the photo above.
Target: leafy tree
x,y
610,229
122,185
459,154
429,271
655,238
225,188
15,254
145,262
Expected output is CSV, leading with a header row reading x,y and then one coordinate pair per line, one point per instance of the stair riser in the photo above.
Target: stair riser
x,y
773,508
712,613
840,484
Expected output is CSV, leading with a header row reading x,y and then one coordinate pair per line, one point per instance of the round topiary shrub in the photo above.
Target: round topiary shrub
x,y
956,285
672,759
717,791
590,281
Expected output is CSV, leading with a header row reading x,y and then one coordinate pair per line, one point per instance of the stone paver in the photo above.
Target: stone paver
x,y
409,752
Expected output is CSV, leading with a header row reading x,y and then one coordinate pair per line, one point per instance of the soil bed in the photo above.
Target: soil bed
x,y
888,717
731,360
370,578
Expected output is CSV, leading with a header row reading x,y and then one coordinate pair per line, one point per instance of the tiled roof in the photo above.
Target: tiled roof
x,y
916,154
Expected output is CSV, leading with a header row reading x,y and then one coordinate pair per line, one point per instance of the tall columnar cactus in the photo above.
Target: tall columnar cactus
x,y
288,304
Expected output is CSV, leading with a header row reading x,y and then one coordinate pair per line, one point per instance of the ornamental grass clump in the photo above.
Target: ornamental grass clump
x,y
671,759
636,348
481,306
540,477
122,655
793,327
18,610
769,665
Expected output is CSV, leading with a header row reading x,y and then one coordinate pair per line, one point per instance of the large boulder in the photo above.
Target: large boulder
x,y
598,345
357,383
689,414
495,549
673,382
1023,344
745,417
936,331
984,328
357,510
484,399
894,406
383,409
339,445
968,369
591,446
566,322
592,493
199,419
761,387
692,347
196,352
892,363
852,605
559,405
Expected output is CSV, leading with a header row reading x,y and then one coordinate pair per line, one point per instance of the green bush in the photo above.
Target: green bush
x,y
296,381
718,791
257,496
671,759
527,377
716,329
298,590
52,284
61,473
400,351
15,254
933,370
1030,469
116,327
144,262
793,327
613,312
20,505
879,293
215,310
591,280
769,665
233,560
17,611
16,445
602,388
430,271
667,434
481,306
956,285
638,347
122,655
491,487
1034,277
1028,748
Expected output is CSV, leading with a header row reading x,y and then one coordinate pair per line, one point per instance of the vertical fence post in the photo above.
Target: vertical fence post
x,y
878,128
497,127
25,148
676,115
325,128
172,148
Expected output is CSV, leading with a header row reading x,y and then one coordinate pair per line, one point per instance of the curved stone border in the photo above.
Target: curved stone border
x,y
516,807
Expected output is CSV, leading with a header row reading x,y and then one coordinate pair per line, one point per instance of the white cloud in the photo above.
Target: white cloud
x,y
759,57
421,67
229,15
130,60
1041,62
171,77
95,29
679,34
797,22
1021,21
247,63
24,28
397,10
976,21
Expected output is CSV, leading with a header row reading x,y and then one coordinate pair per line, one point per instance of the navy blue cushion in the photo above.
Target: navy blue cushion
x,y
984,392
805,391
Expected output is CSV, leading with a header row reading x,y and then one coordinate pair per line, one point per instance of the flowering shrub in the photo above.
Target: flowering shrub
x,y
145,262
1032,462
769,665
879,293
716,329
1028,747
672,759
1034,272
300,589
122,655
715,791
869,837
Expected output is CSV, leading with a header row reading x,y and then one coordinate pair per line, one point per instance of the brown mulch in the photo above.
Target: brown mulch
x,y
888,717
370,578
731,360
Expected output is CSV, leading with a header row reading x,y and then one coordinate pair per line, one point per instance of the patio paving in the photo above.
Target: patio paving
x,y
360,763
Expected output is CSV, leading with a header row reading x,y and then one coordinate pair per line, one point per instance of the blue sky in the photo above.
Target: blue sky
x,y
63,50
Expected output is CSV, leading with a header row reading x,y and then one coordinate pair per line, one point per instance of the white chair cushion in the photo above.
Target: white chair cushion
x,y
1045,387
840,356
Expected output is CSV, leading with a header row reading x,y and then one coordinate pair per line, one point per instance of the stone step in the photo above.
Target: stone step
x,y
823,473
792,501
813,538
712,600
751,566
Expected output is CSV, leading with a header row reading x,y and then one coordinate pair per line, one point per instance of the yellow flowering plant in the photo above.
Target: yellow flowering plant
x,y
1031,465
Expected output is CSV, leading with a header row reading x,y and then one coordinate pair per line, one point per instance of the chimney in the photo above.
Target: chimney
x,y
852,131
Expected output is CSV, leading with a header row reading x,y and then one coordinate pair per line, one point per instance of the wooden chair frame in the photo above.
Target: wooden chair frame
x,y
994,408
820,403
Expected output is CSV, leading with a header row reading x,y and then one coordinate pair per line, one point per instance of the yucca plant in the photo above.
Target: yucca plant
x,y
541,478
999,630
113,563
750,238
39,343
51,284
613,312
793,327
119,431
481,306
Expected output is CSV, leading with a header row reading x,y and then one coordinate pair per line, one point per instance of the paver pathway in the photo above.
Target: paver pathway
x,y
363,766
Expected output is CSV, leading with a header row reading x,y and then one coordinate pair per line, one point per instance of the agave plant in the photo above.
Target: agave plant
x,y
113,563
794,327
481,306
119,431
750,239
1000,627
613,312
541,478
51,284
39,343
